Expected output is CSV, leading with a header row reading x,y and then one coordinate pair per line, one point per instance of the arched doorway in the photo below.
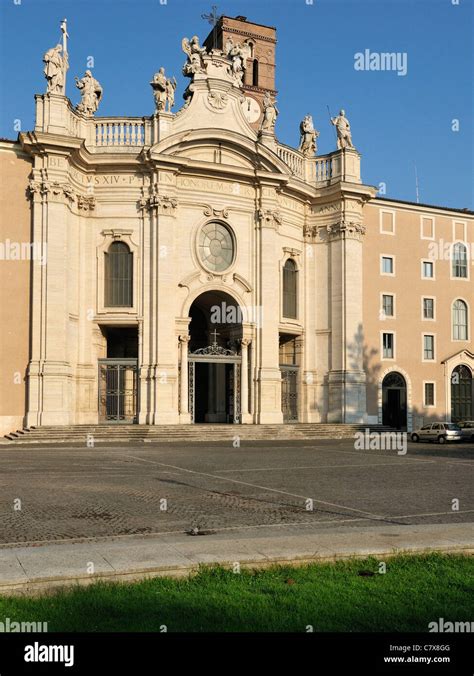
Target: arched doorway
x,y
394,400
214,379
462,394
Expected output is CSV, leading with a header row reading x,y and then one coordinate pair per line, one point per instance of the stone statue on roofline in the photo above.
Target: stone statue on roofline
x,y
308,138
343,128
91,93
238,54
55,65
163,90
270,112
194,52
171,85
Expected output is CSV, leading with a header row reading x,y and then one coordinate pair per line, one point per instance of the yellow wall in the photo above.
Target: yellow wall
x,y
15,168
408,287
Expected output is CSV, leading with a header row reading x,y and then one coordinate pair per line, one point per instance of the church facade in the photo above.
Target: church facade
x,y
187,267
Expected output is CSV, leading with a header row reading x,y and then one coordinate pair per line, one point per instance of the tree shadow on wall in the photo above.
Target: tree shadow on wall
x,y
360,353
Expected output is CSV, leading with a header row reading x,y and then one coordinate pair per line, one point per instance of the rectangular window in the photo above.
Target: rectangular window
x,y
387,222
427,227
428,270
387,265
428,348
459,231
429,394
388,345
387,305
290,289
428,308
459,261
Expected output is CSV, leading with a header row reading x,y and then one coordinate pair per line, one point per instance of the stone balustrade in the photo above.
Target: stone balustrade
x,y
322,170
293,158
121,131
55,114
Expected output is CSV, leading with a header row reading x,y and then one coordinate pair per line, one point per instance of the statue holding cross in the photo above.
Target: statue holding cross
x,y
56,63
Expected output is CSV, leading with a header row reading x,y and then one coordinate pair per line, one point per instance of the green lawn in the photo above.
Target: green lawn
x,y
414,591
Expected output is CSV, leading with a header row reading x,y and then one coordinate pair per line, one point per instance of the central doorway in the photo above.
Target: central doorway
x,y
214,360
214,391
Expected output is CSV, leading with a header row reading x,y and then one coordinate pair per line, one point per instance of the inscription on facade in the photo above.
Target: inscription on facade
x,y
106,179
56,162
293,205
208,185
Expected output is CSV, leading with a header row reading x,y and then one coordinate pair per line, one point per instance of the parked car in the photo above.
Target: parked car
x,y
467,429
438,431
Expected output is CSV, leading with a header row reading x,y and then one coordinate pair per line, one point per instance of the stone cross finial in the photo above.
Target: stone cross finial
x,y
213,19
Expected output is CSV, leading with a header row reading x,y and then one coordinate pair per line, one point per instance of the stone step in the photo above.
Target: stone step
x,y
127,433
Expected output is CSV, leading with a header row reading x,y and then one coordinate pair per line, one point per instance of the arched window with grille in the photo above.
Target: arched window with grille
x,y
460,320
255,73
459,260
118,276
290,289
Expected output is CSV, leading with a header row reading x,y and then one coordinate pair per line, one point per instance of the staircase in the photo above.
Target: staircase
x,y
112,434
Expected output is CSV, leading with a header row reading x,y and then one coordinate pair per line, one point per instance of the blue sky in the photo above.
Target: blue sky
x,y
396,120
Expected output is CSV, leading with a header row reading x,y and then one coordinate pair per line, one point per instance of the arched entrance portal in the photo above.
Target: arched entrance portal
x,y
214,379
394,400
462,407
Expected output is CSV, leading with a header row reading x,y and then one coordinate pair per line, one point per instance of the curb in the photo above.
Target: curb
x,y
44,586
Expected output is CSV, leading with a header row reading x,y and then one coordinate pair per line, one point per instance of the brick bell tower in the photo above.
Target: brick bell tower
x,y
260,71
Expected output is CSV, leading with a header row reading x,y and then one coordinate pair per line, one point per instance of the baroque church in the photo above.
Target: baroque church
x,y
187,267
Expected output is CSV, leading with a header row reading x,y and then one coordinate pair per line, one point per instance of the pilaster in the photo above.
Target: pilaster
x,y
269,375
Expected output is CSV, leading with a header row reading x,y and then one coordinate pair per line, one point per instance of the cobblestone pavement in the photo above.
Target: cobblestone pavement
x,y
72,493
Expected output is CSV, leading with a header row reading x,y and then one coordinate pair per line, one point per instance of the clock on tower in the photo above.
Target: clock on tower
x,y
260,71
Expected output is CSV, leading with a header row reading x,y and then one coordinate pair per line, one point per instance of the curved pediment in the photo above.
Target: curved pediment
x,y
222,147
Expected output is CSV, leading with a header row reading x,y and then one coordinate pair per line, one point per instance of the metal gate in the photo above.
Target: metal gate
x,y
233,402
289,393
118,387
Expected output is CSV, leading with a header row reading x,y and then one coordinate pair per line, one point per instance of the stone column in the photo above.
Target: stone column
x,y
183,385
245,416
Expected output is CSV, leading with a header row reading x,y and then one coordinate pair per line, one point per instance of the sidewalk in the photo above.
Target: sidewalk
x,y
39,568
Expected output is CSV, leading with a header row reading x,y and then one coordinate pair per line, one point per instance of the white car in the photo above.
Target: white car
x,y
467,429
439,431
